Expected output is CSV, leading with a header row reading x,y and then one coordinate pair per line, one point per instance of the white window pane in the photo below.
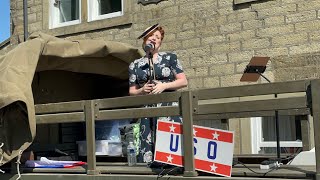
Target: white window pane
x,y
109,6
69,10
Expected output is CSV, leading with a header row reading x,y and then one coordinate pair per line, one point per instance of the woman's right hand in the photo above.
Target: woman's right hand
x,y
147,88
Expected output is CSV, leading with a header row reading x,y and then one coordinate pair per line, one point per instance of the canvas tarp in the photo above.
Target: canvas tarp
x,y
43,52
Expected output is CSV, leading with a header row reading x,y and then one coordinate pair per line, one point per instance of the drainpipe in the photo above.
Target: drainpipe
x,y
25,19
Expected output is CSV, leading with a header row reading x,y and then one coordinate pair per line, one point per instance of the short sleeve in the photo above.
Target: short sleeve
x,y
132,75
176,66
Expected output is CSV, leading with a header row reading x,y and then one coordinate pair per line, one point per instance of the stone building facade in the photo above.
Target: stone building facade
x,y
214,39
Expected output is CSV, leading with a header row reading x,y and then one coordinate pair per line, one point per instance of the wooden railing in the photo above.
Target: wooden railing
x,y
251,101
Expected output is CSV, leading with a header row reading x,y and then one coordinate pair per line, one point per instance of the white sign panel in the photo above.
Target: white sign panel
x,y
213,148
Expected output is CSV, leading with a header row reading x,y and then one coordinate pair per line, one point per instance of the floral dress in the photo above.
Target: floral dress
x,y
166,66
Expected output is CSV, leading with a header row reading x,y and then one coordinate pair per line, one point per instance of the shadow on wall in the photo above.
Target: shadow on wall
x,y
61,86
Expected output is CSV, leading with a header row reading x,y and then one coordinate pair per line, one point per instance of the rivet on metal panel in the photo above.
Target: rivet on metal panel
x,y
194,109
96,104
96,116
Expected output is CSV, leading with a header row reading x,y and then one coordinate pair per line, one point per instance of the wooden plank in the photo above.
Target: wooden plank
x,y
259,105
253,90
239,172
90,137
139,113
60,118
136,101
63,107
110,176
306,145
187,109
315,96
216,116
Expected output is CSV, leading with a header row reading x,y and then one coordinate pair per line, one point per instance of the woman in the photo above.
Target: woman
x,y
167,75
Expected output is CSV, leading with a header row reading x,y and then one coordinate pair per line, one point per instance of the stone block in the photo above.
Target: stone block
x,y
213,39
195,83
209,60
277,30
211,82
301,17
290,39
243,56
277,10
186,34
201,71
222,69
308,5
274,20
171,46
252,24
256,43
305,48
307,26
266,5
229,28
242,35
273,52
315,36
226,47
231,80
241,15
190,43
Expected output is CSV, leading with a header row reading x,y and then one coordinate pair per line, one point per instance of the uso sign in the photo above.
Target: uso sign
x,y
213,148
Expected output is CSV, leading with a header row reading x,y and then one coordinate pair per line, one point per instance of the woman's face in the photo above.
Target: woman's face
x,y
155,39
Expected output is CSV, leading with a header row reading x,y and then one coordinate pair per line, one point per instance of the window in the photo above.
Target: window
x,y
64,13
263,135
103,9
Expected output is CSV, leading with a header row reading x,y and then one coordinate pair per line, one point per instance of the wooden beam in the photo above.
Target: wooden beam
x,y
253,90
251,106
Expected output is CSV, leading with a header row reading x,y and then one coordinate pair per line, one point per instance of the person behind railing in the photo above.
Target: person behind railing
x,y
154,73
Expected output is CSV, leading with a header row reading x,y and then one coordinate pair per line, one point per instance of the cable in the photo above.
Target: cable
x,y
290,157
160,175
264,174
18,163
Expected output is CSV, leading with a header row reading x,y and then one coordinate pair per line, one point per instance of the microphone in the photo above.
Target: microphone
x,y
148,47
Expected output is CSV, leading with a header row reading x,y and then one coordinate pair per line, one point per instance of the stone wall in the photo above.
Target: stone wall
x,y
214,39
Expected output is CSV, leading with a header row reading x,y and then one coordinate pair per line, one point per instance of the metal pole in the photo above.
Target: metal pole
x,y
277,132
25,19
276,121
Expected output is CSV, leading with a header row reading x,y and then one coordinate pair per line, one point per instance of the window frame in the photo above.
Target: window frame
x,y
54,16
92,10
257,141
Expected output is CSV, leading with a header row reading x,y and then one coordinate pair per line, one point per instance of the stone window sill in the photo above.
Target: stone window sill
x,y
236,2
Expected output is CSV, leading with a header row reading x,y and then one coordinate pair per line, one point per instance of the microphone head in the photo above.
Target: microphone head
x,y
148,47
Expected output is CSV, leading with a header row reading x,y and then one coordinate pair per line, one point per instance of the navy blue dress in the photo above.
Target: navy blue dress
x,y
166,67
